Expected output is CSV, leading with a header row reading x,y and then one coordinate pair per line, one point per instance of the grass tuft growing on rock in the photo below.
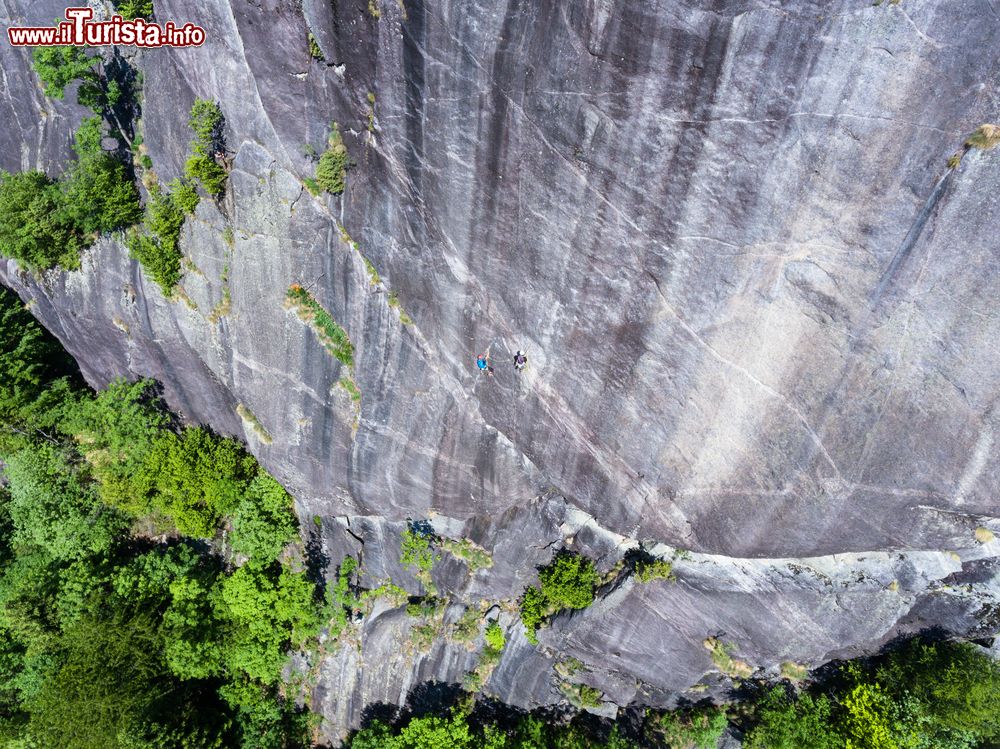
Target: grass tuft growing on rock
x,y
722,657
251,421
986,136
475,556
580,695
330,334
794,671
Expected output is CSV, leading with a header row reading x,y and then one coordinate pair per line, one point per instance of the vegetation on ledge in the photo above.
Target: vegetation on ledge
x,y
567,582
331,335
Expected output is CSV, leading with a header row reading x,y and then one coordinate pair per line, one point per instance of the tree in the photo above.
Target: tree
x,y
207,122
59,66
264,522
31,363
786,723
115,431
131,9
98,194
35,229
53,507
955,684
270,609
111,688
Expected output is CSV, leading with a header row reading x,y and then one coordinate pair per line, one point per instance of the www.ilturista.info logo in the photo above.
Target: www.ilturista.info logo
x,y
80,30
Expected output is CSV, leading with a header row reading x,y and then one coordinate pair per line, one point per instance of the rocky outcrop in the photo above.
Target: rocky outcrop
x,y
758,307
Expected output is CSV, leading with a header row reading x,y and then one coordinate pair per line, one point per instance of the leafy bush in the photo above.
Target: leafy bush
x,y
131,9
98,194
568,582
57,67
207,122
494,636
314,49
158,248
332,167
694,729
786,723
264,522
655,569
35,229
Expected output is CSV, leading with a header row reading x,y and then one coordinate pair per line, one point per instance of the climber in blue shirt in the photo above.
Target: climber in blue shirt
x,y
483,362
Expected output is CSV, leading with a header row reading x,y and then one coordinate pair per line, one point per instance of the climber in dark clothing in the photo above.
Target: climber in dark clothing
x,y
520,360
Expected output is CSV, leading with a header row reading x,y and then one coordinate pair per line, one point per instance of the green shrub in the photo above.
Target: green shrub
x,y
207,122
314,50
693,729
158,248
35,229
343,603
568,582
57,67
655,569
264,522
495,639
332,167
467,627
131,9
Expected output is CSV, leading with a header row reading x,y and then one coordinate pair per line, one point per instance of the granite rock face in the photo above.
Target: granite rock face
x,y
759,309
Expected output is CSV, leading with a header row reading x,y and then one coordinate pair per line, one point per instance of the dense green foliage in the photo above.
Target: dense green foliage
x,y
130,9
689,729
458,730
207,122
109,638
333,337
923,696
157,248
567,582
57,67
332,168
46,222
34,228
